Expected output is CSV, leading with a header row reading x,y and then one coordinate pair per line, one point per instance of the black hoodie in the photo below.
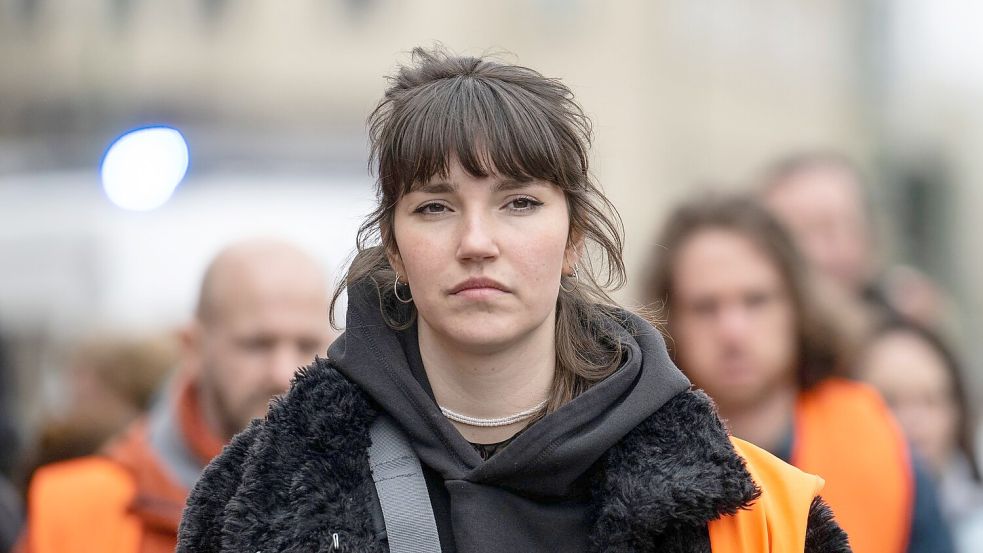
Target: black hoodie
x,y
300,481
534,494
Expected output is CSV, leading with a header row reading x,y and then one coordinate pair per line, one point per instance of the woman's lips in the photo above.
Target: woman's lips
x,y
483,293
479,288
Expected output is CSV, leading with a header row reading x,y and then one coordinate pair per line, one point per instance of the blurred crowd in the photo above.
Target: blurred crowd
x,y
780,307
775,300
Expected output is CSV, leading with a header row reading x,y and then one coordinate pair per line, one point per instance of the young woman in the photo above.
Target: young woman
x,y
921,379
487,394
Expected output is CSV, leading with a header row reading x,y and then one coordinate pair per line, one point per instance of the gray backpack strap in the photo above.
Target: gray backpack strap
x,y
402,490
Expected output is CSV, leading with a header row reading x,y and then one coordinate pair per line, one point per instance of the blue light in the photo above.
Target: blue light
x,y
142,168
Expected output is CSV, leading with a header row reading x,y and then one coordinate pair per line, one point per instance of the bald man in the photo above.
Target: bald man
x,y
262,313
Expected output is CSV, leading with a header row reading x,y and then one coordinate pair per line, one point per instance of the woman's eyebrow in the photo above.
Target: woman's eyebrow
x,y
439,187
507,184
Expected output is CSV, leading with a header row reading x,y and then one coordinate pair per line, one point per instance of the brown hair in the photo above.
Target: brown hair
x,y
513,121
131,367
818,345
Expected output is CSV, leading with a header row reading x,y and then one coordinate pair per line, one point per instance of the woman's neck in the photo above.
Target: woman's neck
x,y
489,384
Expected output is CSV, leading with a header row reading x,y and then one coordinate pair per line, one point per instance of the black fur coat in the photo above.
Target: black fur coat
x,y
288,483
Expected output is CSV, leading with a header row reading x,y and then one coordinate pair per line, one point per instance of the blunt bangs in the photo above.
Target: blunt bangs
x,y
489,125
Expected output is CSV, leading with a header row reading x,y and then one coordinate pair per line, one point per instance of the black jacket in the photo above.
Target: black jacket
x,y
289,482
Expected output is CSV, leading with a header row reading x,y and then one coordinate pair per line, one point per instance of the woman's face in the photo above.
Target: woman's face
x,y
912,377
483,257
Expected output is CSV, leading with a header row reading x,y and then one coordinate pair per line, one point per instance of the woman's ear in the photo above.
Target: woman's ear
x,y
575,250
396,261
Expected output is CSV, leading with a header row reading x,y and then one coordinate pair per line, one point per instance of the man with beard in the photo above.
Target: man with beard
x,y
736,297
262,313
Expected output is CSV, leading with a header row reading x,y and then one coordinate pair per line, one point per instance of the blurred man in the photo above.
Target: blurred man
x,y
262,313
742,326
820,198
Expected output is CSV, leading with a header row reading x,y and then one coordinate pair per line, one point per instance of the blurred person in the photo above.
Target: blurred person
x,y
920,379
262,313
820,197
120,373
110,381
735,294
487,394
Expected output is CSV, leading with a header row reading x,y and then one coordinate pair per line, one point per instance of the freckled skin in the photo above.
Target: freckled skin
x,y
474,227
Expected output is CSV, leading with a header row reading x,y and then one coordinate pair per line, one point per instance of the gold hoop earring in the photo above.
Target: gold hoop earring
x,y
396,291
575,276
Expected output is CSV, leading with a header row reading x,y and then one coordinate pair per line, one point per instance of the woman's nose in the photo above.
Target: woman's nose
x,y
477,239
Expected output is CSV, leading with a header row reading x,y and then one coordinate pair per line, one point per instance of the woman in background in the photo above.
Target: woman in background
x,y
919,377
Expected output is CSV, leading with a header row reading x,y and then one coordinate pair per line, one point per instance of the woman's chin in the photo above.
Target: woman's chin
x,y
483,341
485,336
486,332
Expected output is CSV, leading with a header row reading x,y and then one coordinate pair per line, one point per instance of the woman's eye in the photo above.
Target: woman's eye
x,y
524,204
432,208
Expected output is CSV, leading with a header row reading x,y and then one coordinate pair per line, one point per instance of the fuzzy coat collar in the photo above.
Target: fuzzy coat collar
x,y
288,483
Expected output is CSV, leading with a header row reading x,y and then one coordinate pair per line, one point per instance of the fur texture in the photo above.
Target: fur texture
x,y
288,483
673,473
823,535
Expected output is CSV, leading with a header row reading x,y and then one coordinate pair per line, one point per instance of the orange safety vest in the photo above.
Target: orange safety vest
x,y
845,432
123,501
776,522
120,503
56,521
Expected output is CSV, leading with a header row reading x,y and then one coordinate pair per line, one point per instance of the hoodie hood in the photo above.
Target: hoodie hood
x,y
543,474
545,458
